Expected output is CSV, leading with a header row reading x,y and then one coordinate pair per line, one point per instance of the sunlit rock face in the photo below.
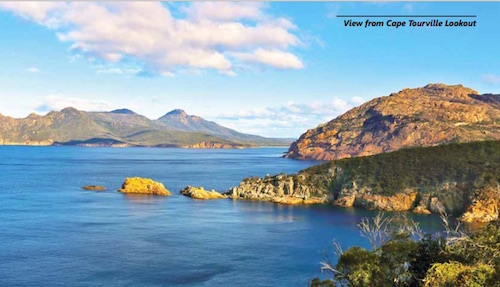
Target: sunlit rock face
x,y
427,116
138,185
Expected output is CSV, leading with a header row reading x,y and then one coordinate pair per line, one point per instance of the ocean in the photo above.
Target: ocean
x,y
54,233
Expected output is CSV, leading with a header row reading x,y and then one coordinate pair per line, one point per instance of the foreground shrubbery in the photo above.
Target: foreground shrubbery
x,y
402,255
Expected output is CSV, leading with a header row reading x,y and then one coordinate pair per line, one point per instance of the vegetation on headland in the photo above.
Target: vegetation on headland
x,y
402,255
475,163
459,178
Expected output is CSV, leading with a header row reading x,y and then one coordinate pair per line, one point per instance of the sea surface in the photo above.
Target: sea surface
x,y
53,233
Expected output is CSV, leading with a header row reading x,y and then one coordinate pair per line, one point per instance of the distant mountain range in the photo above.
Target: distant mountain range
x,y
124,127
428,116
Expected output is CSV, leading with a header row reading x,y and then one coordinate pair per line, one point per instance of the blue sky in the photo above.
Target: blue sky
x,y
274,69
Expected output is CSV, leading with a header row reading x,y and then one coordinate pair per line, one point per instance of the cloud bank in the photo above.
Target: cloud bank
x,y
222,36
491,79
57,103
290,119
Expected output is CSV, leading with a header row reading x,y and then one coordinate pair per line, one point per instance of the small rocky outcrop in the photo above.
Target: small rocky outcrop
x,y
397,202
346,201
484,208
481,211
281,188
95,188
138,185
201,193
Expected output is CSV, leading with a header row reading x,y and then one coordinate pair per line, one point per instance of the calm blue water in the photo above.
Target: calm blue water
x,y
53,233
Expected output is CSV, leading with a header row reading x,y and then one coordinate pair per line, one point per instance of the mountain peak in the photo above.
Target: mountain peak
x,y
177,112
69,110
122,111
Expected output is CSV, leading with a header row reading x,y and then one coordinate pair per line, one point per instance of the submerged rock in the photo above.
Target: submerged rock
x,y
95,187
143,186
201,193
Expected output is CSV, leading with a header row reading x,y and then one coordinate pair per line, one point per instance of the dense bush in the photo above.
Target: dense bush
x,y
452,258
475,163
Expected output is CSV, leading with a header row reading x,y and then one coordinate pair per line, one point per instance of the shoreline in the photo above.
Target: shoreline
x,y
136,146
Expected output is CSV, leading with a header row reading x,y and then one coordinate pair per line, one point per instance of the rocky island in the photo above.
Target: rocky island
x,y
95,188
138,185
200,193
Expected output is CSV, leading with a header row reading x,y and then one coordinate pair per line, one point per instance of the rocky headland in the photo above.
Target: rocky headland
x,y
428,116
138,185
201,193
282,188
461,179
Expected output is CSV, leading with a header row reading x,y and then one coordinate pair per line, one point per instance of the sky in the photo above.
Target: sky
x,y
274,69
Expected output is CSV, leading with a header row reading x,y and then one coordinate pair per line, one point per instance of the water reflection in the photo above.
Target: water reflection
x,y
144,198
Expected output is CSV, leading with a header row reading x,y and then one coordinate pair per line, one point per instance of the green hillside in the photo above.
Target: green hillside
x,y
125,128
477,163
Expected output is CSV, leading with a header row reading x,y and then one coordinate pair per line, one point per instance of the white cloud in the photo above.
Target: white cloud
x,y
491,79
275,58
40,12
290,119
57,102
225,11
206,36
32,70
110,71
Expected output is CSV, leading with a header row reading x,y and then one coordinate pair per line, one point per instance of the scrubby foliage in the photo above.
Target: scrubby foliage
x,y
476,164
450,258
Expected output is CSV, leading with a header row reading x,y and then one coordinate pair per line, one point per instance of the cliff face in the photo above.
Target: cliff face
x,y
428,116
461,179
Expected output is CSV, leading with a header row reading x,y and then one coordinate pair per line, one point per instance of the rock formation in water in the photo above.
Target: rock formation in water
x,y
95,188
201,193
432,115
461,179
282,188
140,185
